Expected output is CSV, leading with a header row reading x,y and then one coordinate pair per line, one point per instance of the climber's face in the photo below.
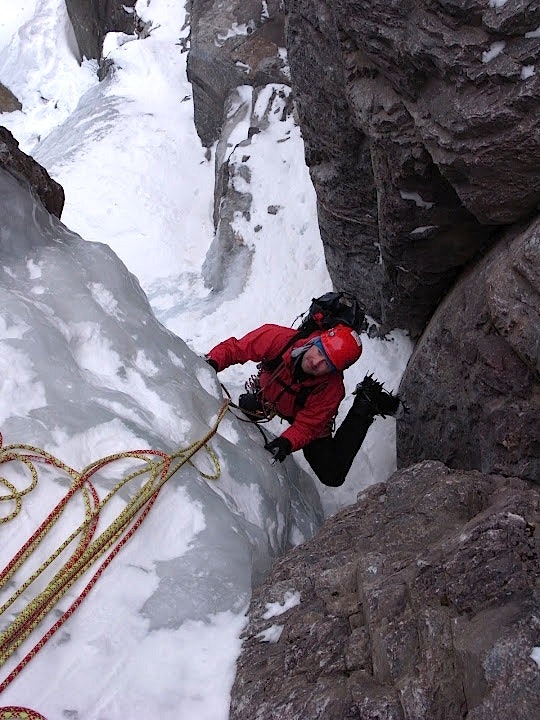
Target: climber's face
x,y
314,362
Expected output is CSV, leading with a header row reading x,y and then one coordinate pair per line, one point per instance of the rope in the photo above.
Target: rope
x,y
88,550
245,418
19,713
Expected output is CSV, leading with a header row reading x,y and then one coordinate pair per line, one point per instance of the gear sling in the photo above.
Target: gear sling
x,y
252,402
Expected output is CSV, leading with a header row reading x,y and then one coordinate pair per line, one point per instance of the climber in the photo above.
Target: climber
x,y
301,380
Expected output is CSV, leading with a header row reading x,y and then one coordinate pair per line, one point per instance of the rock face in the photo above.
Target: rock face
x,y
422,129
228,261
232,43
25,169
419,602
93,19
421,123
8,101
472,383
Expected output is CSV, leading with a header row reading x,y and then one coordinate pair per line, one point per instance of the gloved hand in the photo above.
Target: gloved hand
x,y
212,363
280,448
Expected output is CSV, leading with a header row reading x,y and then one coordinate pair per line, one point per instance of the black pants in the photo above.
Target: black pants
x,y
331,457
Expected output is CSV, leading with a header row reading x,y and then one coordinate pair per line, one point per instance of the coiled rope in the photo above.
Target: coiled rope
x,y
156,464
14,712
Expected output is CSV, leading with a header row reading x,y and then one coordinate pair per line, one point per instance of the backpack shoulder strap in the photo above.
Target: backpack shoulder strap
x,y
273,363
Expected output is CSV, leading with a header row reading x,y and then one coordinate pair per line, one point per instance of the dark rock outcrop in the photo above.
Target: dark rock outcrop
x,y
93,19
27,170
421,125
419,602
338,154
422,129
473,381
8,101
231,43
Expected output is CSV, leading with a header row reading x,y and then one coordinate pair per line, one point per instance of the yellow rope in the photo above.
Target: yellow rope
x,y
82,559
19,713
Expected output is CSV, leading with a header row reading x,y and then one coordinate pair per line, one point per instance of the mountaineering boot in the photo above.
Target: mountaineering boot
x,y
372,398
331,458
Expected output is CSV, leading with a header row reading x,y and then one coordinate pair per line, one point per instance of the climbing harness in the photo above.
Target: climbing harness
x,y
253,404
156,465
254,408
245,417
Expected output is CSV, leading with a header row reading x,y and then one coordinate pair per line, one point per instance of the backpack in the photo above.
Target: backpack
x,y
333,308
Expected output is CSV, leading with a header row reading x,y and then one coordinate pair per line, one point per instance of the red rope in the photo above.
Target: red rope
x,y
81,480
67,614
19,713
74,488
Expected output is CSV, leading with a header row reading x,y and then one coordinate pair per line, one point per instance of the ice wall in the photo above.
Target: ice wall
x,y
87,370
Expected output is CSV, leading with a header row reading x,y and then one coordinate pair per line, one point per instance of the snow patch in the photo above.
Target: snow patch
x,y
416,198
271,634
533,33
290,599
236,29
423,229
495,49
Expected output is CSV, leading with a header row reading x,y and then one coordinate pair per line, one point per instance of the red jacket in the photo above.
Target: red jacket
x,y
315,418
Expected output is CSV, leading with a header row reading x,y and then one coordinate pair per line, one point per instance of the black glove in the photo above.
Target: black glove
x,y
280,448
212,363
